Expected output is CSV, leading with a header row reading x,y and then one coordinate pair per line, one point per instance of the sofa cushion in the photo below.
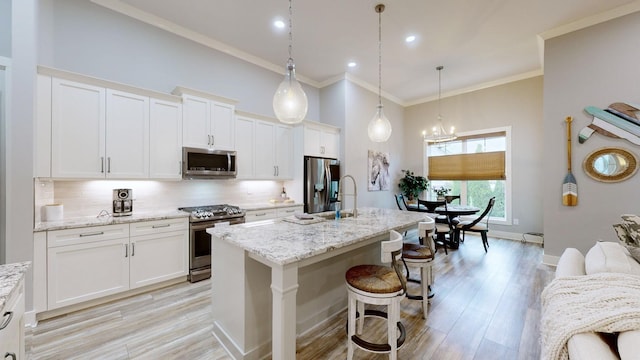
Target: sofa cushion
x,y
588,346
571,263
629,344
607,256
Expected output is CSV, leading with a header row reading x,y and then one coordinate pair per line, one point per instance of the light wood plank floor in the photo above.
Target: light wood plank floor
x,y
487,306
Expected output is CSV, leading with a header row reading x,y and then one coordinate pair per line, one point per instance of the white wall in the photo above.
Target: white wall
x,y
360,108
517,104
594,66
86,38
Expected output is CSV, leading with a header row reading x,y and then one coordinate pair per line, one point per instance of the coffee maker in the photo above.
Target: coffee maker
x,y
122,202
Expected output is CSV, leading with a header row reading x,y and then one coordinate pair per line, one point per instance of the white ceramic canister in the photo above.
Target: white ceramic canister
x,y
53,212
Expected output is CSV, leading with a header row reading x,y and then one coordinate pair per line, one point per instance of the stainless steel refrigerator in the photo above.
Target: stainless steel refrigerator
x,y
321,178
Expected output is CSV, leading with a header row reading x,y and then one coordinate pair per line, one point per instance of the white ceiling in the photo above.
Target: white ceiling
x,y
479,42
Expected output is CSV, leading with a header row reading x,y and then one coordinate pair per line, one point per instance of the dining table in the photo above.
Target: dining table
x,y
454,211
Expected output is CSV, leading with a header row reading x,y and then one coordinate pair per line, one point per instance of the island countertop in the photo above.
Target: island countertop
x,y
282,242
10,275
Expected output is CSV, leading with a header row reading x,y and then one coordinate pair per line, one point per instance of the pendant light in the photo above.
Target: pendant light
x,y
439,134
290,102
379,128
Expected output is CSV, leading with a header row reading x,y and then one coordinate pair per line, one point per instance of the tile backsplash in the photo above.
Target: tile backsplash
x,y
88,198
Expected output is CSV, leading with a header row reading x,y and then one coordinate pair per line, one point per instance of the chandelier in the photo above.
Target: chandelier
x,y
438,133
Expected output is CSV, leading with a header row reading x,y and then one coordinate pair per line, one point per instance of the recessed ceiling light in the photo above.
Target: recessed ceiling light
x,y
279,24
352,64
410,38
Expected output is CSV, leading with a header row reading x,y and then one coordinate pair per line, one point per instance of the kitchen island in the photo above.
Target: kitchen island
x,y
273,280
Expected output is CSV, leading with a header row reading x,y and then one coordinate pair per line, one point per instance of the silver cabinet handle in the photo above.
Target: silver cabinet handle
x,y
160,226
290,211
92,234
102,164
133,249
8,316
261,214
179,167
213,140
277,170
109,164
126,250
274,170
10,354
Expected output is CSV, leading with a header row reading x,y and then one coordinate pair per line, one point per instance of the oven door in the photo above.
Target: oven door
x,y
200,242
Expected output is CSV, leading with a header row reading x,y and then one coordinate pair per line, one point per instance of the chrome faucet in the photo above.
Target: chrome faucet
x,y
355,194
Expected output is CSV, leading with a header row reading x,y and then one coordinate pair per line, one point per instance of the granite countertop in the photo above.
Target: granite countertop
x,y
78,222
10,275
284,242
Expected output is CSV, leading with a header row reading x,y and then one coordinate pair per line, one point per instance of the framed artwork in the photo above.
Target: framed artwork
x,y
379,179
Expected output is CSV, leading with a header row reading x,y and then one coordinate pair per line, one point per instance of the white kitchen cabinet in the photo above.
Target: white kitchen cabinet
x,y
288,211
321,140
159,251
12,325
78,114
98,132
245,145
127,135
259,215
86,263
270,146
165,139
92,262
207,123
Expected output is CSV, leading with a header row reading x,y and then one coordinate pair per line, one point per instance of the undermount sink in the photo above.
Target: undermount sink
x,y
332,215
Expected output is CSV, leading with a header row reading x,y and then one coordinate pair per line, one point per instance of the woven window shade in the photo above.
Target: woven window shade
x,y
478,166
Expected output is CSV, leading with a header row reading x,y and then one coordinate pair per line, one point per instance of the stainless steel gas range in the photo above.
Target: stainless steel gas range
x,y
203,217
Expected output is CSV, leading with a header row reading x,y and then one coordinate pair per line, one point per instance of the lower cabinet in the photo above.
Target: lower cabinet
x,y
12,325
93,262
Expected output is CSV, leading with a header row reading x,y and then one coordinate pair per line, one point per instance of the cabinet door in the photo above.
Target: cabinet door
x,y
42,141
264,154
284,151
196,122
127,135
312,146
158,257
330,140
245,133
165,140
222,129
82,272
77,130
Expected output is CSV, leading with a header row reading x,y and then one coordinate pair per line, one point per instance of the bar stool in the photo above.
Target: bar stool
x,y
377,285
421,257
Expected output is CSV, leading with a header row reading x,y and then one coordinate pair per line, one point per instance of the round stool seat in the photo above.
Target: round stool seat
x,y
373,279
416,252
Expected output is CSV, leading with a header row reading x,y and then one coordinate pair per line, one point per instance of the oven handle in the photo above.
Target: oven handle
x,y
207,224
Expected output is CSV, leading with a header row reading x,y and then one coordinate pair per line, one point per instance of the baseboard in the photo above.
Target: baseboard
x,y
550,260
524,237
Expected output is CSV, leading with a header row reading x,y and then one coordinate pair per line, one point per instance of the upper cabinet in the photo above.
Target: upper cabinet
x,y
208,120
264,147
93,129
321,140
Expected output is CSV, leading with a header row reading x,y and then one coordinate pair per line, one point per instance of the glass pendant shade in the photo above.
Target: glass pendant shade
x,y
379,128
290,102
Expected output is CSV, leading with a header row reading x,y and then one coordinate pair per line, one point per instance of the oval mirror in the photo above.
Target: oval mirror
x,y
610,164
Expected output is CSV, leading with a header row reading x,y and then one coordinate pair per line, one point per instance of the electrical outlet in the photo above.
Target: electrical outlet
x,y
516,221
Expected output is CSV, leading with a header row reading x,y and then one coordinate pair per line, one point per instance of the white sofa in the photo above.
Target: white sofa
x,y
602,257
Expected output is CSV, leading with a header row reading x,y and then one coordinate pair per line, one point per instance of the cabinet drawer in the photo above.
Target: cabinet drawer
x,y
86,235
288,211
159,226
257,215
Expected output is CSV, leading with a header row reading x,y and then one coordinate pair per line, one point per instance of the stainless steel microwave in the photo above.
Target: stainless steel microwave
x,y
208,164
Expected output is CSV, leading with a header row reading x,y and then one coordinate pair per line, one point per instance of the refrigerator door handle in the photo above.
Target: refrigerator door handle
x,y
327,195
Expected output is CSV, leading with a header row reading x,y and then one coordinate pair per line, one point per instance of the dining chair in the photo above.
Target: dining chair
x,y
477,225
402,205
445,229
450,198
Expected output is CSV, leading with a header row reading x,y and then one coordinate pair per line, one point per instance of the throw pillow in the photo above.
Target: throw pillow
x,y
624,238
631,224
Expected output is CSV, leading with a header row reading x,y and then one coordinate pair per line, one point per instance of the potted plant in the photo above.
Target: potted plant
x,y
440,191
412,185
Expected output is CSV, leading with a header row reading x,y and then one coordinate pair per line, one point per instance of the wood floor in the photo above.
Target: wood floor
x,y
487,306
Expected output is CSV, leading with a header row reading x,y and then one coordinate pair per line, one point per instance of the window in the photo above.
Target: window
x,y
475,166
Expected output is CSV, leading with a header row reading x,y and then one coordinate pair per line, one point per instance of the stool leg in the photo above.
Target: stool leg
x,y
424,280
352,325
361,318
392,334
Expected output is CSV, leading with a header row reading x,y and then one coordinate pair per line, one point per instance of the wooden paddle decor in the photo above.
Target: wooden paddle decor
x,y
569,187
